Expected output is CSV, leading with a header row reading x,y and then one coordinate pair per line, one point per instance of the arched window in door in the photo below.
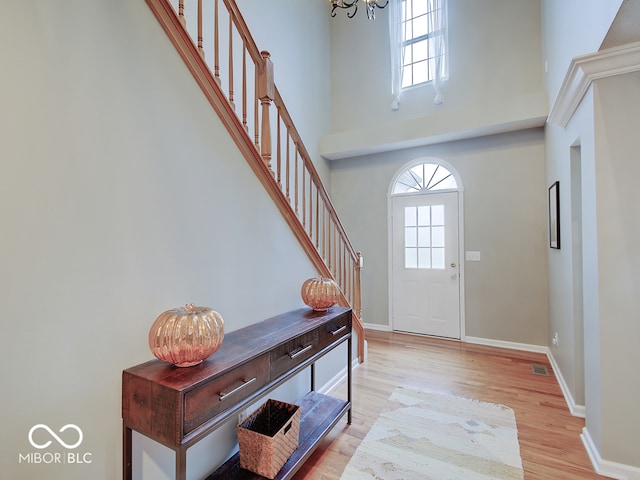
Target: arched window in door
x,y
423,178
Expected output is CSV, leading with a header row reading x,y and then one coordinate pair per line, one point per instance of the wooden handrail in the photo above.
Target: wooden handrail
x,y
243,30
309,166
295,185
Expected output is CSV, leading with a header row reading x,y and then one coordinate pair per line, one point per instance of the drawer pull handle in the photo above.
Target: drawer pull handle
x,y
338,330
224,395
300,352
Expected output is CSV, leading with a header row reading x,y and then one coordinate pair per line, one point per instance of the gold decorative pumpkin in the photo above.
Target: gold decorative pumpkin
x,y
186,336
320,293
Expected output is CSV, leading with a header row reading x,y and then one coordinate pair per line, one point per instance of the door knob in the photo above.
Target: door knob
x,y
453,265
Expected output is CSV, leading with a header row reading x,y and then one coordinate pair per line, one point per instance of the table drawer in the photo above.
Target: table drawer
x,y
210,399
334,330
292,353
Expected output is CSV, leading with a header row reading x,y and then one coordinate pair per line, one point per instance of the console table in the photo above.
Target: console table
x,y
177,407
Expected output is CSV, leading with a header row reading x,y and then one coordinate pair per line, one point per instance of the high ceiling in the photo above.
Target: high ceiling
x,y
625,27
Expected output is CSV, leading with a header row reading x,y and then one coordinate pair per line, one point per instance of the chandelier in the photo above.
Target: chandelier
x,y
346,4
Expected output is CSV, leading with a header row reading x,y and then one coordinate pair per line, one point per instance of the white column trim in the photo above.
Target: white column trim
x,y
583,70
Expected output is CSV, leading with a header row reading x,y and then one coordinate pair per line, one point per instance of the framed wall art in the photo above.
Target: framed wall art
x,y
554,215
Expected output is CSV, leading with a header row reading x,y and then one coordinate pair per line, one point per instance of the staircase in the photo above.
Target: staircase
x,y
238,81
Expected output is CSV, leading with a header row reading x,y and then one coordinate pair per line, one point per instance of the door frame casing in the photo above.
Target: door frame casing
x,y
461,254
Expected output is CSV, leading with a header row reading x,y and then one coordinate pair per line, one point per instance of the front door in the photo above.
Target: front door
x,y
425,265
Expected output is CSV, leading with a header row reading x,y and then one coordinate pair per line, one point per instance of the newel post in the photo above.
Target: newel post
x,y
266,94
358,307
358,299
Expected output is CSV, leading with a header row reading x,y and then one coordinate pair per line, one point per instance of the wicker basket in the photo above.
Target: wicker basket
x,y
269,437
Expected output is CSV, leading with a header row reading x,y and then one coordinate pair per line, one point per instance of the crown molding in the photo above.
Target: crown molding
x,y
583,70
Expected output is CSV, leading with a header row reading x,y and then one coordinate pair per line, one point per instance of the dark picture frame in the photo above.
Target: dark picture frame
x,y
554,215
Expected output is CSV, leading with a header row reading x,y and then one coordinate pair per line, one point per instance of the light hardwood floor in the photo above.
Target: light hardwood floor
x,y
549,435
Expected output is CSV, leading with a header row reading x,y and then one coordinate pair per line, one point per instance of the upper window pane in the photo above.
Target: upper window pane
x,y
420,26
421,72
419,7
420,51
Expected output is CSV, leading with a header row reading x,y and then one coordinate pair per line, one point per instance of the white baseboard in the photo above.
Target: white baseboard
x,y
341,375
575,409
619,471
333,382
525,347
376,326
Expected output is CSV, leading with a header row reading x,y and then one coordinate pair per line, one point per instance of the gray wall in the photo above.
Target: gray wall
x,y
495,79
594,307
505,219
121,196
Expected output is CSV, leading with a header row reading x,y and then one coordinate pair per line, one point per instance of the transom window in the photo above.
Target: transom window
x,y
423,178
423,27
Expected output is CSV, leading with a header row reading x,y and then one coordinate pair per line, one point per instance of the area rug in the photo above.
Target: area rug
x,y
430,436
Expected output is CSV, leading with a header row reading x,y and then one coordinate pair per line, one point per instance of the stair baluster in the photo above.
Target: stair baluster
x,y
310,207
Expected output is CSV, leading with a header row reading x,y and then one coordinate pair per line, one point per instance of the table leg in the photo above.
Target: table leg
x,y
127,443
349,360
181,464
